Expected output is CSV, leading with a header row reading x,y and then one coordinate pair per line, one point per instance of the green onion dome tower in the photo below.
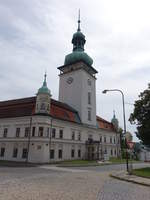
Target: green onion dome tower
x,y
78,53
115,122
43,99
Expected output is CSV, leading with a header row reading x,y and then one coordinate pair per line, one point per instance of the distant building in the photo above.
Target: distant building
x,y
40,129
144,154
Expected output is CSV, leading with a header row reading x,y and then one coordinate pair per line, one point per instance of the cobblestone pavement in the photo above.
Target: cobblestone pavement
x,y
52,184
118,190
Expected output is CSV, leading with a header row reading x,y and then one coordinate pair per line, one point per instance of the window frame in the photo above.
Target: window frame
x,y
52,154
72,153
89,115
15,152
61,134
33,131
41,132
24,153
2,152
60,153
18,132
89,98
26,131
5,133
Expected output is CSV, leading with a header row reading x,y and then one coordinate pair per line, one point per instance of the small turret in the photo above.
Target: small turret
x,y
114,121
43,99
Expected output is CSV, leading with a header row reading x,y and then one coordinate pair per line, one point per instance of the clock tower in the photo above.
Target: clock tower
x,y
77,80
43,99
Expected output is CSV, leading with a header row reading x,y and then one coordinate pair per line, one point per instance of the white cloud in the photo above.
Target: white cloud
x,y
36,35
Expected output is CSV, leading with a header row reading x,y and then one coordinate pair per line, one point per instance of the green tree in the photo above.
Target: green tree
x,y
141,116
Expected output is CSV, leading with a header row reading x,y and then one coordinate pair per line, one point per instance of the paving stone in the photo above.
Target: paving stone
x,y
53,184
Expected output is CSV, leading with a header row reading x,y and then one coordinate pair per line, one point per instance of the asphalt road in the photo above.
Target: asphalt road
x,y
114,167
52,183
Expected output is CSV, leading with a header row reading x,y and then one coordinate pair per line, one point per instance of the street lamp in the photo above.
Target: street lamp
x,y
124,119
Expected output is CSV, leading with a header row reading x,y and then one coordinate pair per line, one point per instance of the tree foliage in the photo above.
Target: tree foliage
x,y
141,116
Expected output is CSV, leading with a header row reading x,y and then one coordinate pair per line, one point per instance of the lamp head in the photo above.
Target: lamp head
x,y
105,91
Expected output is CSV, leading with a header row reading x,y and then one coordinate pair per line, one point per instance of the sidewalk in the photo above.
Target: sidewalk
x,y
123,175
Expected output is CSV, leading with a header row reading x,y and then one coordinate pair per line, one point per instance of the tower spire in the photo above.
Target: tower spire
x,y
114,114
44,83
79,21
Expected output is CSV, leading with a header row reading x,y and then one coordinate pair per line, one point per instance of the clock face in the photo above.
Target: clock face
x,y
69,80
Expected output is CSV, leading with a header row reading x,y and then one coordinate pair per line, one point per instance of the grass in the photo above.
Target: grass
x,y
78,163
5,163
143,172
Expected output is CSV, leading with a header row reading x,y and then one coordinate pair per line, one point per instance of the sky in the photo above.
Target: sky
x,y
35,35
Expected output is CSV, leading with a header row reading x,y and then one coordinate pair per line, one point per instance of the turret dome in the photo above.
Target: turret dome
x,y
115,122
44,89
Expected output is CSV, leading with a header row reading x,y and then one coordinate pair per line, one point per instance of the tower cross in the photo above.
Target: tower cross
x,y
79,21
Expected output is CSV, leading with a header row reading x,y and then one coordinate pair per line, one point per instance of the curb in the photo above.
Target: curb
x,y
131,181
94,165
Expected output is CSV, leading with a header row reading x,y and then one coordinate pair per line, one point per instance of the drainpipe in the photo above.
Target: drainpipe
x,y
29,138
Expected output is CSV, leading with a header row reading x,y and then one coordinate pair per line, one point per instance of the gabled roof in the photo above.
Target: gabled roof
x,y
26,107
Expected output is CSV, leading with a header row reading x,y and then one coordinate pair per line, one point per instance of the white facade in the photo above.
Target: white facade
x,y
144,155
40,144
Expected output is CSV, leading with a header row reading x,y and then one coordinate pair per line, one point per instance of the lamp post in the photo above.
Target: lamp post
x,y
124,119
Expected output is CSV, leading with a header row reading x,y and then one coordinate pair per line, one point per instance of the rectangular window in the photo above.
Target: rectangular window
x,y
5,132
27,130
15,152
73,135
72,153
41,131
110,139
79,136
79,153
114,140
2,152
111,152
89,115
61,133
17,132
52,154
89,97
33,131
24,153
60,153
105,151
104,139
53,132
100,139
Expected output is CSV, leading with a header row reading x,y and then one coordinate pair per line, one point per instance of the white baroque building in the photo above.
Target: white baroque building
x,y
40,129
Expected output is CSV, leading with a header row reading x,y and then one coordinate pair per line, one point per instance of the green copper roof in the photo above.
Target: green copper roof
x,y
44,89
114,121
78,56
78,53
